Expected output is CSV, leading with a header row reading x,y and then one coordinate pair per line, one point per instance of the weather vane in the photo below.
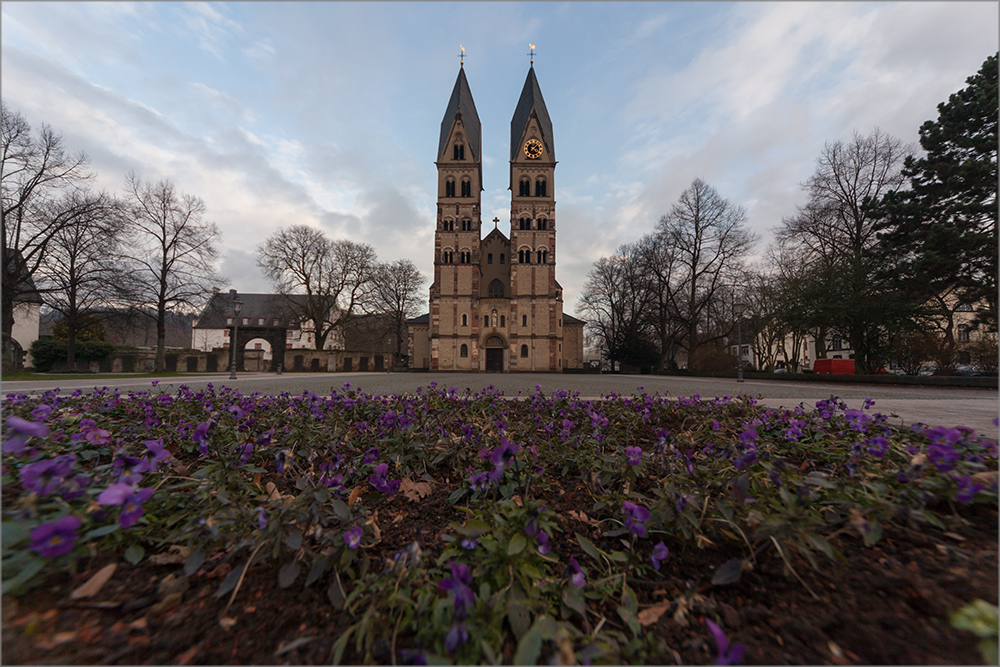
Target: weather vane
x,y
532,53
462,56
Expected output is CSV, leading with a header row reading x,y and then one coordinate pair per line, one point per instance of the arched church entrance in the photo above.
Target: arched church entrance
x,y
495,347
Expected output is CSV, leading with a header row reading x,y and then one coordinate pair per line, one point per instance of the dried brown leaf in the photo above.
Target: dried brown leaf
x,y
95,583
355,494
651,615
414,491
179,555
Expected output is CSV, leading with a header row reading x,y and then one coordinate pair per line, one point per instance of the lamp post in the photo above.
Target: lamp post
x,y
738,308
237,307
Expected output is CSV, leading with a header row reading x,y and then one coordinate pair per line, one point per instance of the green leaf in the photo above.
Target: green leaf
x,y
193,562
15,532
229,583
573,597
588,547
629,600
33,567
134,554
338,648
319,566
874,533
472,528
341,509
519,618
630,619
100,532
530,646
728,573
294,540
335,592
517,545
288,574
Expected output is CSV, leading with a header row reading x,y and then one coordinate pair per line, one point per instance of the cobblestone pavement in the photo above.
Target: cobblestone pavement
x,y
945,406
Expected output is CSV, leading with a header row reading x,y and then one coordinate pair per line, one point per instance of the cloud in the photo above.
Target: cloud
x,y
210,27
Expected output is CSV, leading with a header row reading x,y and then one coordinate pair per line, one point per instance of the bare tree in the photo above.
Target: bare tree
x,y
35,171
82,270
336,278
837,228
396,289
660,265
712,240
171,251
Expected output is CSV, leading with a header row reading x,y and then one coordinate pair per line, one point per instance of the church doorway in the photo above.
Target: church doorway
x,y
494,360
494,348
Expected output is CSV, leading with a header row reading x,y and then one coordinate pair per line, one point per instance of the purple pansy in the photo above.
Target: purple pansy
x,y
379,481
660,553
201,433
457,635
155,454
353,537
577,578
261,518
461,577
23,430
129,498
727,655
55,538
636,516
44,477
634,455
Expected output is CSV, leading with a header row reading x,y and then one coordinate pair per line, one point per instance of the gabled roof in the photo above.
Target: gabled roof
x,y
496,232
422,319
531,100
255,306
461,102
569,319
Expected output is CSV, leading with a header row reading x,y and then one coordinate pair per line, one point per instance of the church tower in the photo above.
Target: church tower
x,y
536,297
454,329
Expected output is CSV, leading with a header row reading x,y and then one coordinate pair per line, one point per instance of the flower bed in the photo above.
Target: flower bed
x,y
217,526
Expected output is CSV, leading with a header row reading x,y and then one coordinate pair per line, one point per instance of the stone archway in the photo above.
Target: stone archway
x,y
275,336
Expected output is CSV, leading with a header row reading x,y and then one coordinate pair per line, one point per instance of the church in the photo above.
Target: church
x,y
495,303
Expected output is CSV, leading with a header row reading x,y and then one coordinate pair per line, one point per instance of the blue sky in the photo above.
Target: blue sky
x,y
328,113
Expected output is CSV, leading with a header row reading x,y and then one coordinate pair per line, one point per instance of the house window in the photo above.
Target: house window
x,y
258,346
495,289
466,188
963,333
539,188
524,351
524,320
225,333
525,188
836,344
229,321
745,351
288,346
289,334
226,344
465,320
463,351
246,321
489,258
276,323
260,321
449,188
543,223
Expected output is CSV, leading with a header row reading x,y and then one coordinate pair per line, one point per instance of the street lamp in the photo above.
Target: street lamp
x,y
738,308
237,307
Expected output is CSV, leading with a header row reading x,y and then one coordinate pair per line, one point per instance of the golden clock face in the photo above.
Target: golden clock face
x,y
533,149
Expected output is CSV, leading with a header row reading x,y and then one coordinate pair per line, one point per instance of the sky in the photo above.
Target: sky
x,y
328,113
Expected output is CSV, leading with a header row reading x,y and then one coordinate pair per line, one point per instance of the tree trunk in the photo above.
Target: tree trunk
x,y
161,338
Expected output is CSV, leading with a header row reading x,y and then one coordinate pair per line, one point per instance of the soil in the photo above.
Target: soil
x,y
889,604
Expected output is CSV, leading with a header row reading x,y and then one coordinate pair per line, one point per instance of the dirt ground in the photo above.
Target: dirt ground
x,y
889,605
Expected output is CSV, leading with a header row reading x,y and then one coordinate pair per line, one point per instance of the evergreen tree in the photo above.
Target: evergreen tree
x,y
940,235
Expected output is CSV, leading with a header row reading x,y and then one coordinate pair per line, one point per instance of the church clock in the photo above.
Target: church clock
x,y
533,149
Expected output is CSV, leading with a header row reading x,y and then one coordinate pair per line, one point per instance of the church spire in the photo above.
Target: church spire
x,y
531,101
462,105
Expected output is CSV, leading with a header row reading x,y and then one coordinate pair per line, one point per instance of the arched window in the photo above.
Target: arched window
x,y
489,258
524,223
524,256
459,152
466,257
543,223
466,187
503,258
539,188
465,320
447,257
495,289
543,256
463,351
524,351
524,320
503,321
525,188
466,225
449,188
448,225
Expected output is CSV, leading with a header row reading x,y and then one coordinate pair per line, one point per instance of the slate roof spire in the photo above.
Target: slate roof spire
x,y
531,100
462,104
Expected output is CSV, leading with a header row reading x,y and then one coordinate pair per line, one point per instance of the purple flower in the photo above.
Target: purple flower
x,y
461,577
42,411
944,437
353,537
261,518
942,456
371,456
24,429
280,459
379,481
55,538
155,454
878,446
966,489
660,553
44,477
714,425
130,500
727,656
201,433
543,545
73,487
857,420
469,544
636,516
457,635
634,455
869,402
408,657
246,452
578,578
748,437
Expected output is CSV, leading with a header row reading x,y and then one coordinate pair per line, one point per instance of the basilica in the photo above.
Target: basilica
x,y
495,303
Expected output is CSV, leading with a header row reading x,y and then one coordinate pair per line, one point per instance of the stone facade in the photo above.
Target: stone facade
x,y
495,302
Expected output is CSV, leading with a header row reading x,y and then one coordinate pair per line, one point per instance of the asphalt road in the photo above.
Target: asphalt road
x,y
936,406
